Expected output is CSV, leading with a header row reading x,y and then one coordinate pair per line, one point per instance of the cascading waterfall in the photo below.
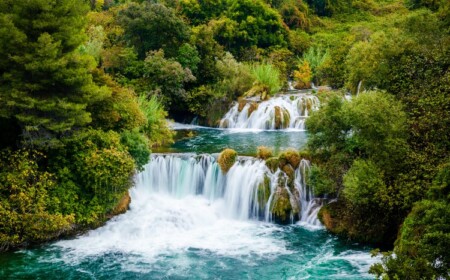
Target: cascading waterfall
x,y
283,112
309,204
182,175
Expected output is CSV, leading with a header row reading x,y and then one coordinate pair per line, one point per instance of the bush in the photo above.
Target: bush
x,y
364,185
93,170
24,202
226,159
138,147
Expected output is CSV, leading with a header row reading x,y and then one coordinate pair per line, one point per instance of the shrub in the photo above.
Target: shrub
x,y
138,147
24,215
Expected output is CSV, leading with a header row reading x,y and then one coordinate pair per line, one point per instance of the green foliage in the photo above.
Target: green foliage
x,y
268,76
200,99
364,184
118,112
165,77
315,57
156,128
24,200
238,25
46,85
295,14
421,248
360,146
211,101
150,27
235,78
138,147
209,50
299,41
93,170
321,183
94,45
188,57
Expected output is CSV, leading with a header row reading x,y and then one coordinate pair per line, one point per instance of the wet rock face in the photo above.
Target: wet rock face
x,y
263,193
253,107
282,118
282,207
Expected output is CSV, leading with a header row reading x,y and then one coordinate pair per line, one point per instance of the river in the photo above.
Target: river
x,y
187,220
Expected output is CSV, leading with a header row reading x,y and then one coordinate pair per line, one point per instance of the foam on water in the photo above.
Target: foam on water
x,y
158,224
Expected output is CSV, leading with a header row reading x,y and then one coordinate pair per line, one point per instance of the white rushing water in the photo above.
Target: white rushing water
x,y
182,175
283,112
183,204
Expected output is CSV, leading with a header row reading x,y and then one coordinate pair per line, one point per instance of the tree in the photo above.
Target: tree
x,y
46,83
150,27
165,77
360,147
421,250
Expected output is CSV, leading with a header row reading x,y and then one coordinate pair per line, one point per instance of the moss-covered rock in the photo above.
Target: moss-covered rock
x,y
290,156
253,107
290,172
226,159
225,123
263,152
241,105
305,154
258,90
281,206
122,206
272,163
263,193
278,117
282,118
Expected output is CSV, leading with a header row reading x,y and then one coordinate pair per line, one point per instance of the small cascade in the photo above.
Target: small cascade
x,y
283,112
309,204
249,190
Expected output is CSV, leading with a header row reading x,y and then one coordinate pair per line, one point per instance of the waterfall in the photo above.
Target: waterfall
x,y
287,111
241,190
310,206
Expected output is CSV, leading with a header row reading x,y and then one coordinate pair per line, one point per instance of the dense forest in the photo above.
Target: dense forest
x,y
86,87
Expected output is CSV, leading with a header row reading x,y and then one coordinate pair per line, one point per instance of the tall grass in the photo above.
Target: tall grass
x,y
315,57
267,75
156,129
